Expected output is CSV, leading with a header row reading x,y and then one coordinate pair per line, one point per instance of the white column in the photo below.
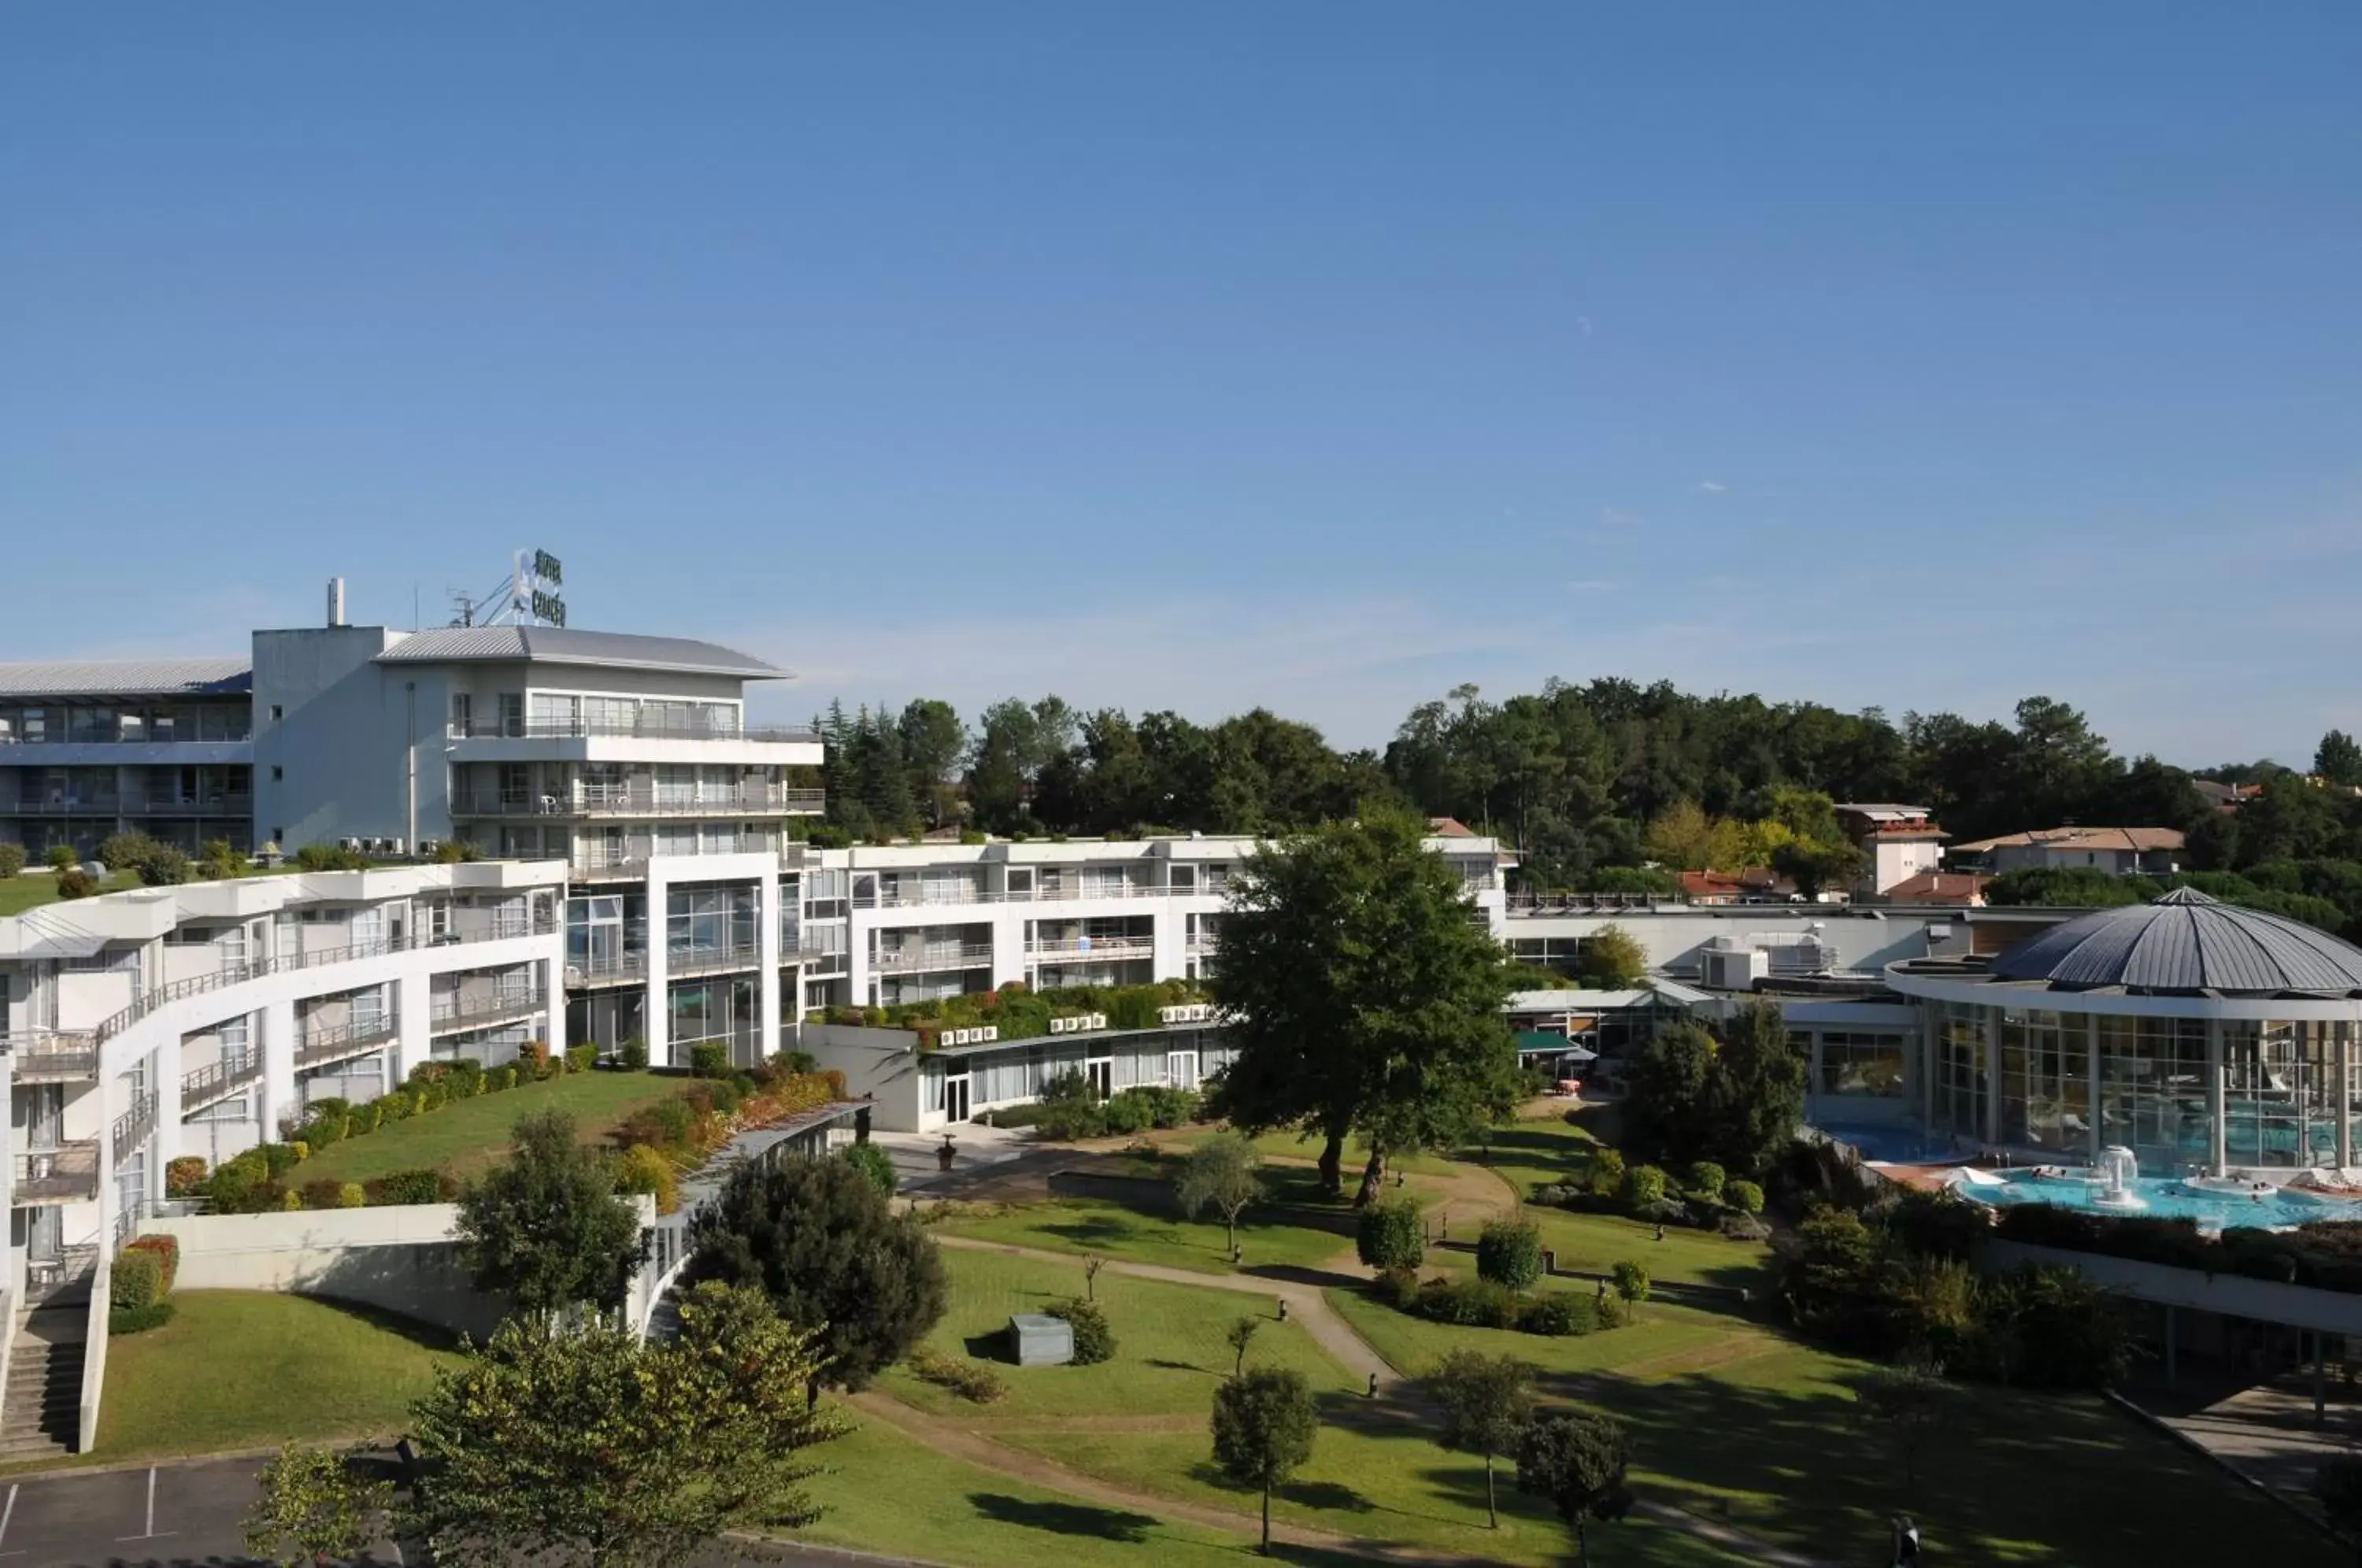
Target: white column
x,y
2091,1028
767,1002
2343,1097
1814,1080
413,1015
2218,1134
550,971
1009,924
1993,1075
164,1073
659,1021
276,1041
1170,925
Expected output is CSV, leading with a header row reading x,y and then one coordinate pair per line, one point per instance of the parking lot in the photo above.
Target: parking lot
x,y
184,1515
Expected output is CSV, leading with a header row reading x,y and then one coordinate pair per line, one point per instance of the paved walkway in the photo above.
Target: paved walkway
x,y
2267,1434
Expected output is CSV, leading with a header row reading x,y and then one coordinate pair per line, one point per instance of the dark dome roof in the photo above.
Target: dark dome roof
x,y
2187,942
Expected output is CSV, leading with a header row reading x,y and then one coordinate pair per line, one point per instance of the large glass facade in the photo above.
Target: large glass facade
x,y
714,919
722,1009
2046,1080
2281,1093
1960,1086
2153,1089
1861,1062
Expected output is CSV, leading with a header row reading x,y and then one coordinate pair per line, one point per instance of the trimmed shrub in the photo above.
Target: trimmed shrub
x,y
580,1058
1705,1181
644,1170
323,1131
633,1055
351,1195
325,1193
1094,1341
1630,1281
1644,1184
1509,1252
1740,1225
1389,1234
290,1200
797,1062
392,1108
121,1320
166,1251
184,1176
1396,1287
1477,1304
533,1060
1664,1211
11,861
1743,1196
410,1187
874,1163
62,857
503,1079
709,1059
138,1280
280,1158
1606,1175
1611,1311
1126,1114
362,1119
73,882
1557,1314
972,1381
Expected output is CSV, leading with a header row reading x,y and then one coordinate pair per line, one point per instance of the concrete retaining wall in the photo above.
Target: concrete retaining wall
x,y
2261,1300
398,1259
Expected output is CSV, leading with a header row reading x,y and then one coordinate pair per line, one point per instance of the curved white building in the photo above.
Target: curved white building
x,y
2200,1034
199,1020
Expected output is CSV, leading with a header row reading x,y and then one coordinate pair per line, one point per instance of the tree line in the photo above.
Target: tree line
x,y
1584,779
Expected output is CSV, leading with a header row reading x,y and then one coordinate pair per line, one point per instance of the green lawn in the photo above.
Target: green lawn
x,y
468,1136
887,1493
248,1368
1169,1349
1297,1146
37,886
1733,1419
1151,1233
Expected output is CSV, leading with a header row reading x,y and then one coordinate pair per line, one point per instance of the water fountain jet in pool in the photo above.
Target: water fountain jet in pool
x,y
2118,1170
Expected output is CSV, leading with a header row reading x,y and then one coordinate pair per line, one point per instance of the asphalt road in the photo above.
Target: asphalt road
x,y
187,1514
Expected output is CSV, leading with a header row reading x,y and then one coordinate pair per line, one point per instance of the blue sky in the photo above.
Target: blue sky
x,y
1318,355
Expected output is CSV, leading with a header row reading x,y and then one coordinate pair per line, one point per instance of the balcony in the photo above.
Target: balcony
x,y
450,1014
212,1084
682,961
934,955
67,1174
231,974
1090,949
343,1041
606,969
47,1058
135,1126
1588,903
203,806
67,806
926,895
585,802
639,728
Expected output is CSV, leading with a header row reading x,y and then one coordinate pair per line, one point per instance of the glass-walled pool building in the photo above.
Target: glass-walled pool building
x,y
2203,1036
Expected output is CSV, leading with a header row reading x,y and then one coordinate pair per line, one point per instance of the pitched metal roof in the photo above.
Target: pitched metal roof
x,y
2186,942
128,678
2071,838
561,644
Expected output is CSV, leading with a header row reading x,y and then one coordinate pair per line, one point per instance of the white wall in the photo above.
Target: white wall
x,y
398,1259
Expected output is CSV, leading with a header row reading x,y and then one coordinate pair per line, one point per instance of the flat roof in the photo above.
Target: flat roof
x,y
563,645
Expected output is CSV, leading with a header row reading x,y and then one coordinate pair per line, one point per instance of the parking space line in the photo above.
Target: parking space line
x,y
153,1533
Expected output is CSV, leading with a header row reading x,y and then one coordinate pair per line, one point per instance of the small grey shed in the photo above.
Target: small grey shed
x,y
1041,1340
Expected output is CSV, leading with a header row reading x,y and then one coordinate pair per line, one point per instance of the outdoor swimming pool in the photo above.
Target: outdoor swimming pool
x,y
2166,1198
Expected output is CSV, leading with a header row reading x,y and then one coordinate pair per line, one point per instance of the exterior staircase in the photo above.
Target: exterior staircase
x,y
40,1411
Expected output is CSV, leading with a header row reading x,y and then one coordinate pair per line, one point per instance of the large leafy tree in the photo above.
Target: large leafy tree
x,y
1734,1097
1576,1461
546,1230
1263,1427
583,1444
1366,994
821,1240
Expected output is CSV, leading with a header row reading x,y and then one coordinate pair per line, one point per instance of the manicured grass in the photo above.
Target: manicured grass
x,y
247,1368
1387,1485
1735,1420
887,1493
38,886
1148,1232
1169,1349
1297,1146
468,1136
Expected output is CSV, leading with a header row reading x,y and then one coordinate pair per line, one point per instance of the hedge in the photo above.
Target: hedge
x,y
2326,1254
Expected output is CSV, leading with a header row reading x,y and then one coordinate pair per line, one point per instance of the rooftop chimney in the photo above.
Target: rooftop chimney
x,y
336,602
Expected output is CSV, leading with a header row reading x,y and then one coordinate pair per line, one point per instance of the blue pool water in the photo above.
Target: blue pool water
x,y
2167,1198
1898,1146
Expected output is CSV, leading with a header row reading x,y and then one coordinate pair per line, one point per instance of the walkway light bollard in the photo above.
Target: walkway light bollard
x,y
1373,1385
1283,1309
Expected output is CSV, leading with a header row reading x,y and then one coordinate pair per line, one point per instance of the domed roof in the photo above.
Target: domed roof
x,y
2186,942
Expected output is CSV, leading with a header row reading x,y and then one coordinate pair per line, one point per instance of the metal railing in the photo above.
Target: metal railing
x,y
53,1057
601,801
924,895
606,966
314,1047
134,1126
705,960
212,1084
639,728
60,1272
1094,947
460,1012
211,806
955,955
239,971
111,806
67,1174
1586,903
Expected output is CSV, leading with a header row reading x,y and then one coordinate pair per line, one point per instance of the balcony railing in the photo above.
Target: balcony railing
x,y
636,728
936,955
67,1174
1587,903
205,806
924,895
449,1013
135,1125
339,1042
235,973
49,1057
606,968
634,800
1093,947
212,1084
68,806
709,960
